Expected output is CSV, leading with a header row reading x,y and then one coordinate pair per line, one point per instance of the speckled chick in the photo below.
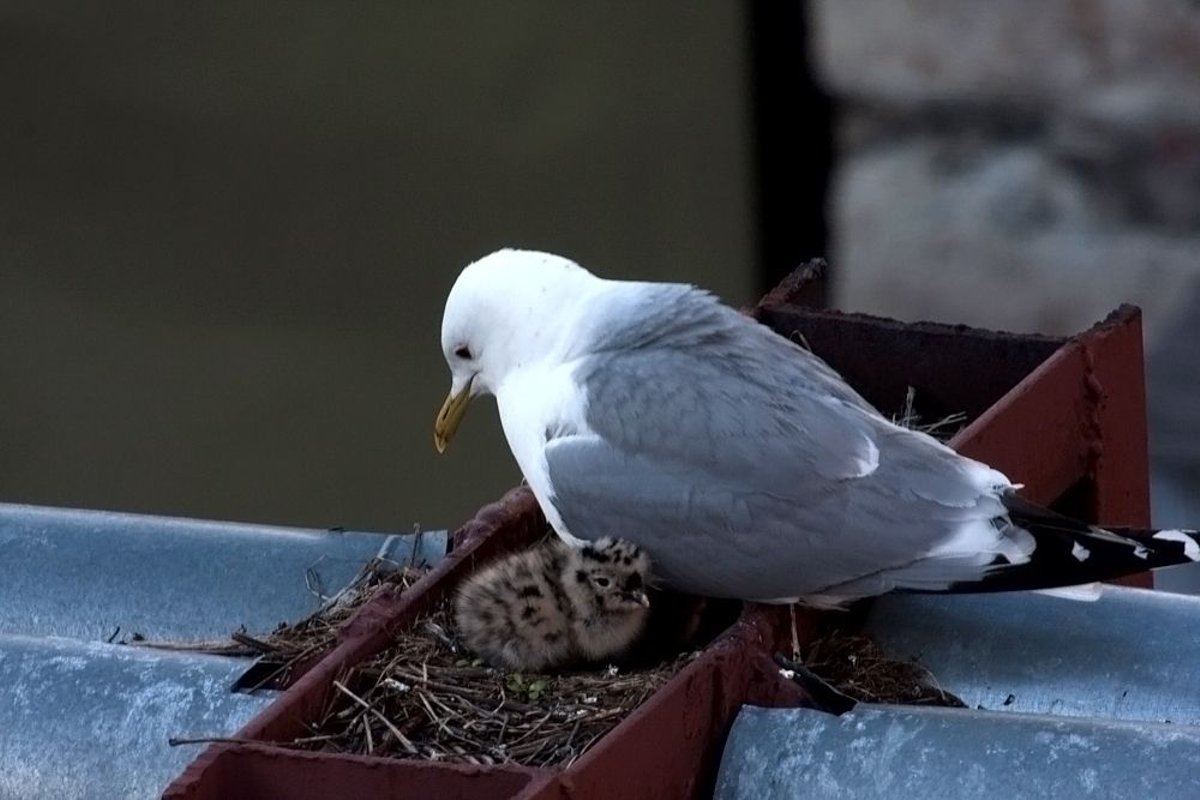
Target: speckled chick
x,y
555,605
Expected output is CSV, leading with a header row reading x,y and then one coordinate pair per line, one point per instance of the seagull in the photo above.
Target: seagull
x,y
740,462
554,605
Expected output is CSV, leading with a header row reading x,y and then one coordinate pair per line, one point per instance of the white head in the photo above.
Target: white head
x,y
507,309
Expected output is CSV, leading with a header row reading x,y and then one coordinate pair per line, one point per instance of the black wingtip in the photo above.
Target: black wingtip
x,y
1068,552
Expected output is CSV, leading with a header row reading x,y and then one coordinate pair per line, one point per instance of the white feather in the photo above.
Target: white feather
x,y
1083,593
539,402
1190,548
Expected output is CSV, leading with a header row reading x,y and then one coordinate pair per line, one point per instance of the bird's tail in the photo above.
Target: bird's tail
x,y
1069,552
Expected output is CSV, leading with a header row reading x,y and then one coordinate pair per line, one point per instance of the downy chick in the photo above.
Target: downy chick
x,y
554,605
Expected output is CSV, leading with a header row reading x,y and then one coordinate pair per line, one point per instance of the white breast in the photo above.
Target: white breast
x,y
539,403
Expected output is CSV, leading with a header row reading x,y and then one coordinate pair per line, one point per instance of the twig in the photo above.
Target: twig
x,y
439,709
241,637
212,647
176,741
400,737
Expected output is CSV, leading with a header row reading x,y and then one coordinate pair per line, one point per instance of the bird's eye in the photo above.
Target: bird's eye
x,y
603,583
463,352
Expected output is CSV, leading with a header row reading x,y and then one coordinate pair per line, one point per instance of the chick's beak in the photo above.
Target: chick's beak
x,y
450,415
639,597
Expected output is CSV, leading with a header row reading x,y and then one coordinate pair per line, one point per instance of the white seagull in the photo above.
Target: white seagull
x,y
740,462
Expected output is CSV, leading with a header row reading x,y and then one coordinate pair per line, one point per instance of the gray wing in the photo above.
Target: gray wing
x,y
746,468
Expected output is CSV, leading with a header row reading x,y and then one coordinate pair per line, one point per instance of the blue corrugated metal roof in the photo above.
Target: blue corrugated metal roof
x,y
930,753
1065,699
87,719
83,717
83,574
1133,654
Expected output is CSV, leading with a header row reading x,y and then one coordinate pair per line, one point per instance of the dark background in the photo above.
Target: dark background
x,y
227,231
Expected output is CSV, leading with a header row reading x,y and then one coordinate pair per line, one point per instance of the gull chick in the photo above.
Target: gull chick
x,y
554,605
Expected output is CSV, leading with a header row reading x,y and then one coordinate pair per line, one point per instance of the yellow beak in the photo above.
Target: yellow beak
x,y
451,414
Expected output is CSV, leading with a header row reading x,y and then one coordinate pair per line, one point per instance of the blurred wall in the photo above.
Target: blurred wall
x,y
227,229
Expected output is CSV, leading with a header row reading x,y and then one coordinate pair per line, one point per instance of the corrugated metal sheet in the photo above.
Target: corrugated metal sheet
x,y
81,717
929,753
84,574
86,719
1133,654
1065,699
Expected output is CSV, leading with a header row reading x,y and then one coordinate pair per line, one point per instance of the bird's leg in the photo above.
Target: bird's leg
x,y
824,696
795,634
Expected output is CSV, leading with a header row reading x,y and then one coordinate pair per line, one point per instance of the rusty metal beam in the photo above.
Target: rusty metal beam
x,y
1037,436
1120,466
952,368
259,770
692,712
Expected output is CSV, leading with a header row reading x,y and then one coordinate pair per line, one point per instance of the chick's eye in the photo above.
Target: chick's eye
x,y
463,352
603,583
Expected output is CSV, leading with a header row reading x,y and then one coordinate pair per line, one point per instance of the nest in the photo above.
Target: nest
x,y
427,697
856,666
943,429
289,649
